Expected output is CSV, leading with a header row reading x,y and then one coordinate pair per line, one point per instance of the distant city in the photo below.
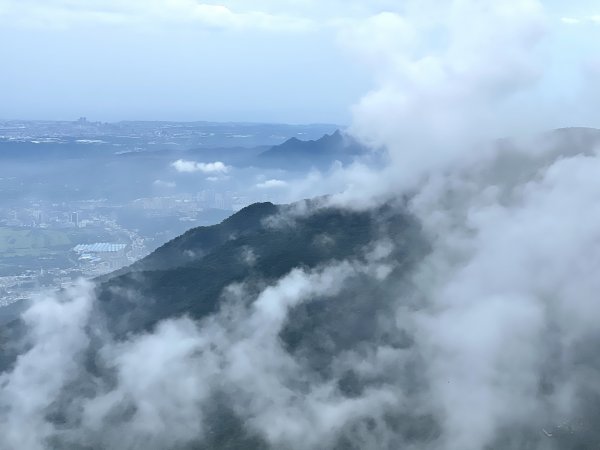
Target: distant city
x,y
48,245
157,135
83,198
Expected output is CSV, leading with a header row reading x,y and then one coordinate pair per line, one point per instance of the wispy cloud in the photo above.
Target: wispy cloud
x,y
594,20
164,184
56,13
272,184
570,21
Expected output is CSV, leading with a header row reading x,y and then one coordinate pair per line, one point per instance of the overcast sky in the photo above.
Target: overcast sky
x,y
294,61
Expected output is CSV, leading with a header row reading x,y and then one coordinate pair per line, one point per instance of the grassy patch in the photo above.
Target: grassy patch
x,y
30,242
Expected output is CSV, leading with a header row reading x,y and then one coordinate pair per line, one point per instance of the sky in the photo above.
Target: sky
x,y
295,61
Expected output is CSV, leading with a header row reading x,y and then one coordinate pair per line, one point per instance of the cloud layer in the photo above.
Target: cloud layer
x,y
489,340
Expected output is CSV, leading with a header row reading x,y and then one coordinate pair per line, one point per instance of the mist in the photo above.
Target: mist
x,y
467,322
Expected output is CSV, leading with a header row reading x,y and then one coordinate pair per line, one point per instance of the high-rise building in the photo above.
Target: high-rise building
x,y
38,218
220,201
75,218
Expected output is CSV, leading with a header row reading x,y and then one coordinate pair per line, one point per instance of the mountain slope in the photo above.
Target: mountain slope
x,y
188,274
195,243
281,317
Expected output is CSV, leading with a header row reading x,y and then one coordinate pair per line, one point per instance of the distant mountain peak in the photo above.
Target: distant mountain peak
x,y
322,151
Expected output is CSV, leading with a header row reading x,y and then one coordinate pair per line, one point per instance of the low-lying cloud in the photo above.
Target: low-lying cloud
x,y
211,168
157,390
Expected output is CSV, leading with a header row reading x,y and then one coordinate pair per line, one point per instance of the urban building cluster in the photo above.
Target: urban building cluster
x,y
45,244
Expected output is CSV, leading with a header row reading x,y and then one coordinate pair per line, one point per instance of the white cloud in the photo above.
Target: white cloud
x,y
272,184
512,262
185,166
379,40
570,21
445,83
27,392
237,352
61,14
164,184
221,16
594,19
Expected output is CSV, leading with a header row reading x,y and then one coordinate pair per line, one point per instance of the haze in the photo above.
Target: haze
x,y
421,272
301,61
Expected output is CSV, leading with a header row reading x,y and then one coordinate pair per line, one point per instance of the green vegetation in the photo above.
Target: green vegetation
x,y
173,283
35,248
31,242
188,275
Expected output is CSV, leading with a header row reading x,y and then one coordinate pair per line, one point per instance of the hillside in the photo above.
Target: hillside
x,y
197,242
188,274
